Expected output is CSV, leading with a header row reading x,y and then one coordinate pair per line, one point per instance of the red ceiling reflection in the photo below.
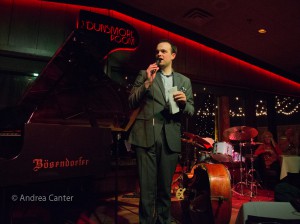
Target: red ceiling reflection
x,y
143,25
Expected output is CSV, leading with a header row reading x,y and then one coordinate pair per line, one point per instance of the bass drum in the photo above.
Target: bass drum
x,y
207,194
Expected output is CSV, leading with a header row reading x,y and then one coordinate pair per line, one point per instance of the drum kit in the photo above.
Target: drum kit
x,y
198,149
244,136
204,184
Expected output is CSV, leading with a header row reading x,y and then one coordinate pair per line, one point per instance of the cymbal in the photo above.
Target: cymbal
x,y
187,140
202,141
240,133
189,135
193,143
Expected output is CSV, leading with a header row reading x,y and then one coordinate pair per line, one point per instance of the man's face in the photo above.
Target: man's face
x,y
164,53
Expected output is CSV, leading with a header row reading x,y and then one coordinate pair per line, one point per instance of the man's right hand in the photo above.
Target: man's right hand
x,y
151,74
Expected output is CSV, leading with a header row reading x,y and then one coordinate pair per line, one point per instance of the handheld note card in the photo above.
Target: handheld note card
x,y
173,105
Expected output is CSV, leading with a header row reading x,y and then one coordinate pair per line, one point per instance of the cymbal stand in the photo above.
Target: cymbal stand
x,y
186,167
252,177
195,156
241,183
253,183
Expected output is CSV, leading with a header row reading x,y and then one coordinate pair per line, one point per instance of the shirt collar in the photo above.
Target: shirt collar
x,y
167,75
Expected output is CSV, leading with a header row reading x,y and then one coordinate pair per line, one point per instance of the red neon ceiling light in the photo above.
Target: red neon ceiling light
x,y
144,25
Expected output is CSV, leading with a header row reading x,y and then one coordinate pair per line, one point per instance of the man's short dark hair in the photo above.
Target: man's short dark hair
x,y
173,47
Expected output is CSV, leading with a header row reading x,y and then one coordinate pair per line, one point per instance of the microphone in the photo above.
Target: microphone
x,y
158,60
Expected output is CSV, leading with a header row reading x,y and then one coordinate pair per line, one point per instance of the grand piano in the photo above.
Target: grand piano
x,y
65,123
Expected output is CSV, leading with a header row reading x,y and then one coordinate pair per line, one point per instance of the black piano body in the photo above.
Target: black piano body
x,y
63,126
53,152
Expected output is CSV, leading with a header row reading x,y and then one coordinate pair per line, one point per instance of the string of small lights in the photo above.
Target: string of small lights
x,y
284,105
287,105
205,116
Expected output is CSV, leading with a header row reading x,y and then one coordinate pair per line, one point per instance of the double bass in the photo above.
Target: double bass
x,y
206,194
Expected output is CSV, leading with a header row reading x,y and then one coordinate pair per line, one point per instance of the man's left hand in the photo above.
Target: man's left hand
x,y
179,97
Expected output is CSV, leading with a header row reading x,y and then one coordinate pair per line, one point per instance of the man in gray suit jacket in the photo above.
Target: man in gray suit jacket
x,y
156,132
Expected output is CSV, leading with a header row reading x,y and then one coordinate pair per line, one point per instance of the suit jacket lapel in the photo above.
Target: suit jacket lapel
x,y
160,85
176,80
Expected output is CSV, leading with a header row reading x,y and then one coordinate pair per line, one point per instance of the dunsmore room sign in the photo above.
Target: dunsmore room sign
x,y
113,34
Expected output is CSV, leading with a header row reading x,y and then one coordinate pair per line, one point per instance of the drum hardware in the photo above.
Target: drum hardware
x,y
250,183
192,156
240,185
185,156
251,143
200,151
241,133
195,157
253,183
204,157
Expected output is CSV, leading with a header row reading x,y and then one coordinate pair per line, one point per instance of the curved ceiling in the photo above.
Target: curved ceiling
x,y
232,26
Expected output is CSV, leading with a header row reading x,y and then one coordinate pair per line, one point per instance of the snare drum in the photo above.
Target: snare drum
x,y
222,152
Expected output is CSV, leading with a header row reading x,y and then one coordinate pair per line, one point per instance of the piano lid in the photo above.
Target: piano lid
x,y
73,88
